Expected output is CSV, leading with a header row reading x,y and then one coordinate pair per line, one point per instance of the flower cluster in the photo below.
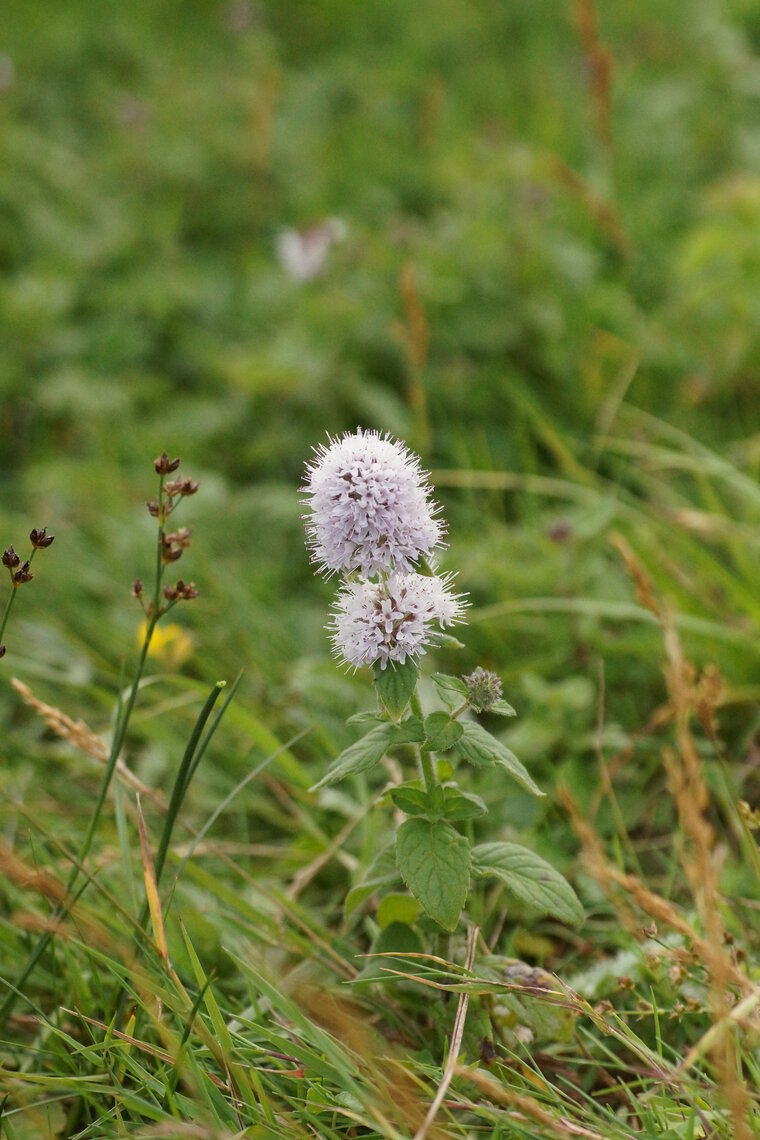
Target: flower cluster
x,y
171,544
370,505
20,572
371,517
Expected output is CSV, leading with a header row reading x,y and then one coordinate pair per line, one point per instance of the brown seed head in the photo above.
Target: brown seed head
x,y
153,508
180,537
164,465
186,591
2,651
137,588
170,551
40,539
180,487
10,558
22,575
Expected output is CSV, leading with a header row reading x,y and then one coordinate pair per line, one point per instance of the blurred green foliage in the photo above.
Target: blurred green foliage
x,y
548,285
530,256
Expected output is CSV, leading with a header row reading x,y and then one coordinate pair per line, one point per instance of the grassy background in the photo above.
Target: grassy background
x,y
550,286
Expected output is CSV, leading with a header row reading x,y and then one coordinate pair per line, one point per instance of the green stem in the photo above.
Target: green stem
x,y
182,781
120,732
62,909
425,761
11,599
14,591
181,784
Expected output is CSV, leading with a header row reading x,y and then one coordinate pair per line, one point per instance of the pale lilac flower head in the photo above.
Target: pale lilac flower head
x,y
395,618
370,506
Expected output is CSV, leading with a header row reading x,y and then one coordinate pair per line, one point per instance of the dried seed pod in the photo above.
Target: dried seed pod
x,y
22,575
164,465
40,539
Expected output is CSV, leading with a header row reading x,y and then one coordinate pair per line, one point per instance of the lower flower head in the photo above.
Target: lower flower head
x,y
395,618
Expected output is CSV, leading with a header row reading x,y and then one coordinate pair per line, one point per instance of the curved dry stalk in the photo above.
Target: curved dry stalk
x,y
456,1041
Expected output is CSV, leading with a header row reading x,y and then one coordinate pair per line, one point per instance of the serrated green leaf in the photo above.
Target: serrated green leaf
x,y
410,731
463,805
441,732
412,801
365,718
395,685
529,877
450,689
370,749
484,751
434,861
397,908
501,708
359,757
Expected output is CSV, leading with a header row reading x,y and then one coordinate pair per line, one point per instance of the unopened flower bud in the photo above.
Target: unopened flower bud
x,y
10,558
483,689
153,508
22,575
2,651
164,464
40,539
137,588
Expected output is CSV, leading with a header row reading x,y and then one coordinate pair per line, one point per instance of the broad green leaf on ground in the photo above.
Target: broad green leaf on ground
x,y
370,749
434,861
529,877
441,732
395,685
484,751
450,689
397,908
395,938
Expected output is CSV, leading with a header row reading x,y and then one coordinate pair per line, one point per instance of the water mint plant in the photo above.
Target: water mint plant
x,y
371,518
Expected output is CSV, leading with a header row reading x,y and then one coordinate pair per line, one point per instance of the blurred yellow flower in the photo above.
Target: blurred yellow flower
x,y
170,644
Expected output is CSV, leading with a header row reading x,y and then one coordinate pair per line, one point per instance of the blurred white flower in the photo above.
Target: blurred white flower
x,y
370,506
303,253
392,619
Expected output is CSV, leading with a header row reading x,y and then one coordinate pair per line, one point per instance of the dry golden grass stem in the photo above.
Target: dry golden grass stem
x,y
396,1093
658,908
29,878
413,334
689,695
598,66
78,733
456,1041
526,1106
